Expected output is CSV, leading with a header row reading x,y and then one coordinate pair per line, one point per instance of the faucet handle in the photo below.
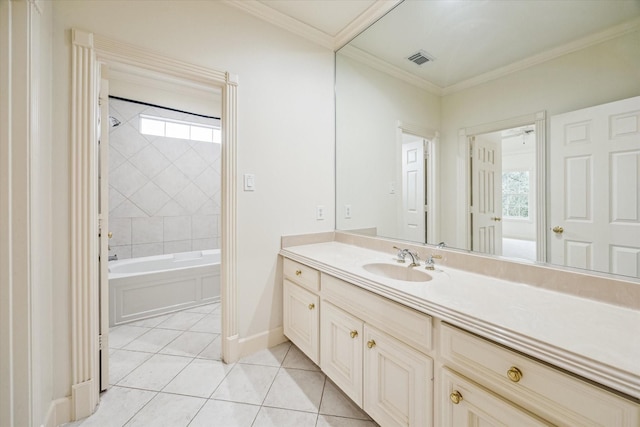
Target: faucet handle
x,y
401,254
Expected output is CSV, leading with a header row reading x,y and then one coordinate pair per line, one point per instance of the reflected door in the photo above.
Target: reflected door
x,y
486,196
413,191
595,188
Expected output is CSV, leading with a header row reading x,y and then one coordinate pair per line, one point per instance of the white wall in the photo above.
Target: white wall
x,y
285,134
601,73
369,104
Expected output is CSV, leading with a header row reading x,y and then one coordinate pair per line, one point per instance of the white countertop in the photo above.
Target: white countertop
x,y
595,340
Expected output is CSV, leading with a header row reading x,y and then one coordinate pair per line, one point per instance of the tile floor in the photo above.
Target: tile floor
x,y
166,371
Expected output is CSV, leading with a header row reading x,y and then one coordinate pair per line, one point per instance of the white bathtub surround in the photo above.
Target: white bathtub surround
x,y
593,339
142,288
164,193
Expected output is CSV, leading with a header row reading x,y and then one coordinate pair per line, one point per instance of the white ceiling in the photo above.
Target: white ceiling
x,y
328,16
468,38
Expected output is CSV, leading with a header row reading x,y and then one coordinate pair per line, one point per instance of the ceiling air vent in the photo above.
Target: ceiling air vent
x,y
420,57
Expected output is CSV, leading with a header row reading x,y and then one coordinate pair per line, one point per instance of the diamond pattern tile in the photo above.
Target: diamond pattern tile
x,y
149,161
150,198
191,164
127,179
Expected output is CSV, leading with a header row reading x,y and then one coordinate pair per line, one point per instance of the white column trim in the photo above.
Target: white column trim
x,y
89,52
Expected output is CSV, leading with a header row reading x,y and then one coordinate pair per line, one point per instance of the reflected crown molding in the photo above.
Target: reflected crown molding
x,y
279,19
576,45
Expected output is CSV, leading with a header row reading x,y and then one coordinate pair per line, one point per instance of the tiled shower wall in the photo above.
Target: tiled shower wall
x,y
164,193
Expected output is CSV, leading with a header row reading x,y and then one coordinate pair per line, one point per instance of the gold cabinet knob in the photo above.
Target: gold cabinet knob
x,y
110,234
455,397
312,306
496,218
514,374
371,343
557,229
353,334
298,272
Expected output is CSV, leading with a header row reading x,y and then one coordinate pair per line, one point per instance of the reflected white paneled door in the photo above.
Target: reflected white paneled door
x,y
486,195
413,191
595,188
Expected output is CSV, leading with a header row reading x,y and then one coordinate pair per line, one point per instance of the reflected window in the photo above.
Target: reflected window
x,y
515,194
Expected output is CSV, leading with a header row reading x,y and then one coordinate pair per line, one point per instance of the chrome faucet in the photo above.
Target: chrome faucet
x,y
430,264
402,253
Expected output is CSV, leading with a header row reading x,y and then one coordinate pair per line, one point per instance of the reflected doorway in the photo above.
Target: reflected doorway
x,y
503,188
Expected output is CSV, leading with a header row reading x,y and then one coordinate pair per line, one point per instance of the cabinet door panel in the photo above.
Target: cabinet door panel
x,y
478,407
398,382
301,319
341,350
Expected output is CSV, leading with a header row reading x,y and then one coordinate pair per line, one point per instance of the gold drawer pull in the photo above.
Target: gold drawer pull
x,y
514,374
455,397
371,344
353,334
312,306
298,272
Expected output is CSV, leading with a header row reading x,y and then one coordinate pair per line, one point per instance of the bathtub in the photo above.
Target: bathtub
x,y
145,287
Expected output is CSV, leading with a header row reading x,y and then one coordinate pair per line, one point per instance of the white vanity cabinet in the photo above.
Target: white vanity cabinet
x,y
301,308
365,350
511,380
468,404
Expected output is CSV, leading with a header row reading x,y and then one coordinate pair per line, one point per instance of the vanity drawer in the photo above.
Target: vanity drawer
x,y
302,275
551,393
407,325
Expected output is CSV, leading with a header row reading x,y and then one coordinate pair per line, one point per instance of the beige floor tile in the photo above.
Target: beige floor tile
x,y
199,379
153,341
296,389
167,410
329,421
211,323
274,417
122,362
189,344
213,350
151,322
117,406
298,360
335,402
181,321
155,373
119,336
219,413
269,357
246,384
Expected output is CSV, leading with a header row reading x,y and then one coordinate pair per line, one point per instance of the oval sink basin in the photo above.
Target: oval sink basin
x,y
397,272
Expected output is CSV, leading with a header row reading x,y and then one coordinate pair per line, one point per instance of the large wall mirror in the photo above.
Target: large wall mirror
x,y
509,128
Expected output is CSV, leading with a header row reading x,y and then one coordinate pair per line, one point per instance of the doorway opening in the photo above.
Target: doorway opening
x,y
95,58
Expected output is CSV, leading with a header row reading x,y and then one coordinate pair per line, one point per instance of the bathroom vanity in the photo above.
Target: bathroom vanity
x,y
449,347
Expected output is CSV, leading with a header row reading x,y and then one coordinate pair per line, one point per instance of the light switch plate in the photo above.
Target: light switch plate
x,y
249,182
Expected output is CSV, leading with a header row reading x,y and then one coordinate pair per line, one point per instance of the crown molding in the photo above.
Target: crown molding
x,y
376,11
573,46
281,20
383,66
369,17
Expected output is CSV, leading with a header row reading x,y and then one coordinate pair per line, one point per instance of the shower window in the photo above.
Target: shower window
x,y
158,126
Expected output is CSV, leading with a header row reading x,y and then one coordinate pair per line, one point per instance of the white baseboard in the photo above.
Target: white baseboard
x,y
59,413
83,399
261,341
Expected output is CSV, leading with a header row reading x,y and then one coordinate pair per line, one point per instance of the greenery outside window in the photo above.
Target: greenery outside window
x,y
515,194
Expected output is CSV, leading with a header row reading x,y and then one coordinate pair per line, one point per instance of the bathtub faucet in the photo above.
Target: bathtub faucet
x,y
113,257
